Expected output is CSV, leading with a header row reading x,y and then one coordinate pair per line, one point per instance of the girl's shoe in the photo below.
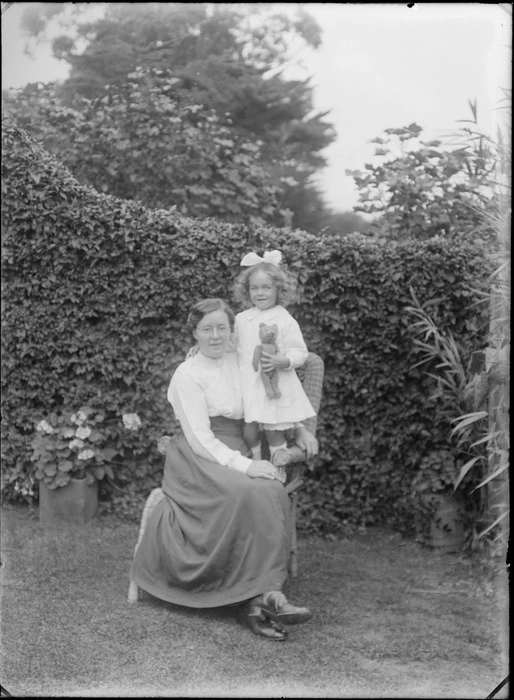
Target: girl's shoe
x,y
260,625
286,455
281,457
276,606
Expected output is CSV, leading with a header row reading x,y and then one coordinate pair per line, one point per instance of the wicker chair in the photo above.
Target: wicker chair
x,y
311,376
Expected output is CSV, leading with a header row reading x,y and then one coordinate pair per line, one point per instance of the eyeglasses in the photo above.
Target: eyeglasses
x,y
213,330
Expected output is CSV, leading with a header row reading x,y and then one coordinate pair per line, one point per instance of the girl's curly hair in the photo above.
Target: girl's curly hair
x,y
284,282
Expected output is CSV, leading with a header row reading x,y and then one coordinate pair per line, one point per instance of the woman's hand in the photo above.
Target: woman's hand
x,y
306,441
270,362
261,468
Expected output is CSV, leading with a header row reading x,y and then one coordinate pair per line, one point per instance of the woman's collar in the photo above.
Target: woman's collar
x,y
207,361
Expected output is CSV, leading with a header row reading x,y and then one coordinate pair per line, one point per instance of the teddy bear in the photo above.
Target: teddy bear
x,y
268,338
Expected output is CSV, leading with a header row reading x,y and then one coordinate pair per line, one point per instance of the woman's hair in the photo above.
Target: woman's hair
x,y
284,282
207,306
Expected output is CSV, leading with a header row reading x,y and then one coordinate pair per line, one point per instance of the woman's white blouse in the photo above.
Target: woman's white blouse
x,y
202,388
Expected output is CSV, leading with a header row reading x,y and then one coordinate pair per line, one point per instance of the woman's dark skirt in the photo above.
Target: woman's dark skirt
x,y
218,537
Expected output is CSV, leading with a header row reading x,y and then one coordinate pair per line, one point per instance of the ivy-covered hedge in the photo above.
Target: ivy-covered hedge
x,y
96,291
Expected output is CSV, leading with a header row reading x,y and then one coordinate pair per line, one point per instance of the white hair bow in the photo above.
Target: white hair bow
x,y
270,256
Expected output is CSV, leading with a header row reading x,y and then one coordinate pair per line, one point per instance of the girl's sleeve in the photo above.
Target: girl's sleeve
x,y
190,407
294,344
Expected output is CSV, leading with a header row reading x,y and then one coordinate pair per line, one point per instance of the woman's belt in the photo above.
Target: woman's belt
x,y
220,425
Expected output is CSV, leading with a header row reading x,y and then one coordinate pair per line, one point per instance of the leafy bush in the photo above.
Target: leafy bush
x,y
96,293
140,143
427,188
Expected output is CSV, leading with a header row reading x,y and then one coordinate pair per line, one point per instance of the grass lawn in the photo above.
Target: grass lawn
x,y
390,619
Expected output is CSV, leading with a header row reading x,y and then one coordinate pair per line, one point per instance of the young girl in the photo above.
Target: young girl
x,y
268,289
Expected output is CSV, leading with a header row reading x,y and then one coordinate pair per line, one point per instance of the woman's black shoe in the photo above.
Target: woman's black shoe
x,y
260,625
275,606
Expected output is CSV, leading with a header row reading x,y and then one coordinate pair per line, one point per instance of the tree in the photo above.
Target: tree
x,y
345,222
421,189
140,143
228,57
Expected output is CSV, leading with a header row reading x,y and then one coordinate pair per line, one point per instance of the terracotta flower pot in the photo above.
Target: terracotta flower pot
x,y
75,503
439,522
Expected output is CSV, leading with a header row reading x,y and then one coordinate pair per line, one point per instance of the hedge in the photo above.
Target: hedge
x,y
96,291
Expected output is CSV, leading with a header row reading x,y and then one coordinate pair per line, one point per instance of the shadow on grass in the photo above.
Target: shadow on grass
x,y
390,619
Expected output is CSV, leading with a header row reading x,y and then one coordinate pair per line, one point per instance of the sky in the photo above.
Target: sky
x,y
380,66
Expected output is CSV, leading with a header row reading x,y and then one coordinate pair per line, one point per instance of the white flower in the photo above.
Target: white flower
x,y
44,427
76,443
83,432
78,418
131,421
86,454
24,488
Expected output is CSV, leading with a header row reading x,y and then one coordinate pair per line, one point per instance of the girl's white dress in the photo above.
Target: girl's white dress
x,y
293,406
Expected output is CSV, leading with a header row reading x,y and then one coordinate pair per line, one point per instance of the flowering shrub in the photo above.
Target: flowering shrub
x,y
75,446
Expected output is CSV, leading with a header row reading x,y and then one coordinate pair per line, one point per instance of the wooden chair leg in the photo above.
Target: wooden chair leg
x,y
293,560
155,496
133,593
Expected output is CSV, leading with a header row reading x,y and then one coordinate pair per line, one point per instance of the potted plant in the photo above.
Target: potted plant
x,y
439,516
447,472
71,453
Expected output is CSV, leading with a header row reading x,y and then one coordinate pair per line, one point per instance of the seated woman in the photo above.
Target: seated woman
x,y
221,535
